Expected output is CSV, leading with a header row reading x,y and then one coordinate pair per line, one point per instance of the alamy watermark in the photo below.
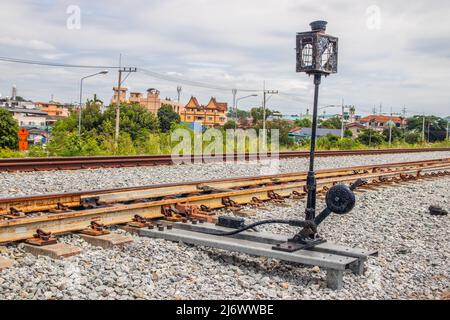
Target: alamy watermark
x,y
230,146
373,21
73,21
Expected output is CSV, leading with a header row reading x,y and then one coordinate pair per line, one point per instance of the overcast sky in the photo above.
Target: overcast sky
x,y
392,52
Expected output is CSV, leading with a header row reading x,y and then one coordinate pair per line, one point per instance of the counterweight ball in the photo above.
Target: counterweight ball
x,y
340,199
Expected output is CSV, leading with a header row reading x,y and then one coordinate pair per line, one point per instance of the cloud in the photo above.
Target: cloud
x,y
27,44
235,44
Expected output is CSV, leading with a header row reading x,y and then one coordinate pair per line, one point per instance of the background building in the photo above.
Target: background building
x,y
380,122
211,115
151,101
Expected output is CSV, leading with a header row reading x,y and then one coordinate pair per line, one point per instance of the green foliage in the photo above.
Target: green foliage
x,y
8,153
348,133
332,123
258,114
303,123
283,126
230,124
397,134
413,137
37,151
166,117
348,144
437,127
370,137
135,120
327,142
241,114
8,130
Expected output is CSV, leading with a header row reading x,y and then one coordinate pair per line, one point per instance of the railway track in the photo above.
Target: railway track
x,y
21,217
73,163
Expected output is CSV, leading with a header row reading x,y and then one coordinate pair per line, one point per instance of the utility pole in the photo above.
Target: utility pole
x,y
265,92
423,127
179,93
390,129
403,123
448,121
342,120
374,110
234,92
119,84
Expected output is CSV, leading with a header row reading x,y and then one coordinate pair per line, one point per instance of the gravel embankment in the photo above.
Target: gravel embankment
x,y
29,183
413,261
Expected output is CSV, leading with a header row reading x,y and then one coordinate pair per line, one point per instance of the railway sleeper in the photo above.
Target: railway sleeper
x,y
334,258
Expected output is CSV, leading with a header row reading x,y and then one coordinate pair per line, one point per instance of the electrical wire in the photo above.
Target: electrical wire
x,y
54,64
150,73
295,223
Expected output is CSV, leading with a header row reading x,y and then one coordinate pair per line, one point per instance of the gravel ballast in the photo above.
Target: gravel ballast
x,y
44,182
413,246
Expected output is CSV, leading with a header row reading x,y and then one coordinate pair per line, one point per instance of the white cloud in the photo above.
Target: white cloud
x,y
236,44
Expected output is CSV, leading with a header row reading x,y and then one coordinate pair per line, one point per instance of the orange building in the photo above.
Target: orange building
x,y
211,115
53,108
151,101
379,122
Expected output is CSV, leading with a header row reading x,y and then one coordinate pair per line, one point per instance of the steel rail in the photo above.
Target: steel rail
x,y
120,205
73,163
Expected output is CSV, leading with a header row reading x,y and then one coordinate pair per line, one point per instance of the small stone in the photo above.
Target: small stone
x,y
315,269
284,285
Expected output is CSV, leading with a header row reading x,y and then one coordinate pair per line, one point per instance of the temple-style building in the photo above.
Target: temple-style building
x,y
151,101
211,115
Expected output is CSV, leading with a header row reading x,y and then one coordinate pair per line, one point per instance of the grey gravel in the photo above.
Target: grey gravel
x,y
29,183
413,261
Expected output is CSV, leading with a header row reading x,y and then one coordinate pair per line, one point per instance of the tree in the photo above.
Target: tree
x,y
257,114
332,123
91,118
241,114
413,137
283,126
436,125
166,117
348,133
303,123
8,130
134,120
396,134
370,137
230,124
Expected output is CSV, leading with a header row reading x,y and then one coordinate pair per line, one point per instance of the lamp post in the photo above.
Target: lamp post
x,y
316,55
448,122
236,107
81,96
179,93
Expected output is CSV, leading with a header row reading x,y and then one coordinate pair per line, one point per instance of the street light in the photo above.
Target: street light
x,y
317,55
81,95
236,107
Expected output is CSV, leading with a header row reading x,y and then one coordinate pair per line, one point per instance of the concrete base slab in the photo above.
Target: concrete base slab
x,y
131,230
54,251
245,213
107,241
5,263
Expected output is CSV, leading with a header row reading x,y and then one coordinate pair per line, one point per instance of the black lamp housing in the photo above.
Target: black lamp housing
x,y
317,52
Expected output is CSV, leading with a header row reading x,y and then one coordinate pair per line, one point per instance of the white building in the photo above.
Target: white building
x,y
29,118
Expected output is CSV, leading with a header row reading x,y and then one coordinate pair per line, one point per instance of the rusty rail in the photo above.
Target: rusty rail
x,y
73,163
59,213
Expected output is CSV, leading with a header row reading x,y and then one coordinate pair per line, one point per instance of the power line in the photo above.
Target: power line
x,y
153,74
54,64
192,83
